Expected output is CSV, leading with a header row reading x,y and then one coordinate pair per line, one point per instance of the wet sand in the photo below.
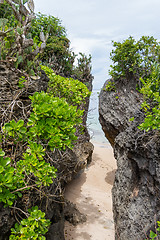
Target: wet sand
x,y
91,192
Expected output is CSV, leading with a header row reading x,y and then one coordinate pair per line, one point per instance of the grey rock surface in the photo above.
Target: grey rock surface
x,y
136,190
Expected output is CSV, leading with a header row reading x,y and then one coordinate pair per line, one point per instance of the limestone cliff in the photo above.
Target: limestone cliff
x,y
136,188
15,103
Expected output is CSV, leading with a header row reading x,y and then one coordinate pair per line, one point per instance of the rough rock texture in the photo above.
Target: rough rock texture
x,y
73,215
136,191
15,104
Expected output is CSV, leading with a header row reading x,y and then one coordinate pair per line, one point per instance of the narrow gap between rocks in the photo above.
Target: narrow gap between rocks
x,y
91,190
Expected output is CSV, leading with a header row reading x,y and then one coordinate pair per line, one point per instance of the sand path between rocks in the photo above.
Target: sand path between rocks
x,y
91,192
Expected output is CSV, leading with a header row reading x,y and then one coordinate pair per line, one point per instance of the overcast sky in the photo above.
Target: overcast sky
x,y
92,24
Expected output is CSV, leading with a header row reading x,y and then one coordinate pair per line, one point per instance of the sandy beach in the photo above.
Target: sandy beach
x,y
91,192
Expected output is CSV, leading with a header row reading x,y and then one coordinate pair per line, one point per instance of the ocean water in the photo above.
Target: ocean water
x,y
94,127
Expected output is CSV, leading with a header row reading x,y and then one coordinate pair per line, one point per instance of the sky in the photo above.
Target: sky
x,y
92,25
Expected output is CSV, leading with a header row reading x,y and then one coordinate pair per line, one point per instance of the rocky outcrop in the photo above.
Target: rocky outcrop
x,y
136,190
15,103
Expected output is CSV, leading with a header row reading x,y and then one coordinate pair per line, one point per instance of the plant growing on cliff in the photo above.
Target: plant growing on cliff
x,y
30,143
133,59
33,227
151,104
110,86
26,36
16,40
140,60
74,91
83,69
10,180
56,53
153,235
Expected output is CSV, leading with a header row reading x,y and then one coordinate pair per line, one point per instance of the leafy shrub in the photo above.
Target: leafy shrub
x,y
33,227
153,235
56,53
151,104
33,164
43,38
133,59
54,120
74,91
110,86
10,180
83,69
16,39
48,24
16,130
24,40
140,60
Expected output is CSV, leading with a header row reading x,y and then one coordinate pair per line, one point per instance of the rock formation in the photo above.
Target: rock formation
x,y
136,189
15,102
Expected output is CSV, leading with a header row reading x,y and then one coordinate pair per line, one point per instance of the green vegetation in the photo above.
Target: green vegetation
x,y
10,180
33,227
74,91
140,61
56,53
134,59
151,104
110,86
16,39
26,42
53,119
155,236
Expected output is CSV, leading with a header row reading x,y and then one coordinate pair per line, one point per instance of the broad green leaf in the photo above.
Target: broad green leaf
x,y
2,153
20,59
5,161
1,169
23,130
152,234
19,194
20,123
8,127
9,202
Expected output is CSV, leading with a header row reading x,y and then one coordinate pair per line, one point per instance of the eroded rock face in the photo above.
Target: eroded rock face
x,y
116,108
15,103
136,190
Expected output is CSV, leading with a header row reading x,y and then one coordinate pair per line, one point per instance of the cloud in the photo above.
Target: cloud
x,y
92,25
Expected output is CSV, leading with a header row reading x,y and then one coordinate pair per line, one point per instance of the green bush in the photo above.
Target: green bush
x,y
133,59
74,91
153,235
54,120
24,40
56,53
33,227
140,60
10,180
45,40
151,104
110,86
